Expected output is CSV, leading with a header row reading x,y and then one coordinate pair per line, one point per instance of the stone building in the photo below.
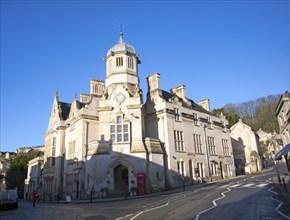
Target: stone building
x,y
23,150
33,180
111,141
264,137
283,115
5,160
246,148
274,146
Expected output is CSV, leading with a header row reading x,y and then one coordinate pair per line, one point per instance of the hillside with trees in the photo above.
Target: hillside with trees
x,y
259,113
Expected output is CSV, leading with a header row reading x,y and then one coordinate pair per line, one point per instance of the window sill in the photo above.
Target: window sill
x,y
199,153
179,151
116,143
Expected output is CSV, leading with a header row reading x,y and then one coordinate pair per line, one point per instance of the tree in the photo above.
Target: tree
x,y
232,117
17,172
259,113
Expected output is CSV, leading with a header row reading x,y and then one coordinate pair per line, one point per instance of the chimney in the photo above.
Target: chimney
x,y
179,91
84,98
204,103
97,87
153,81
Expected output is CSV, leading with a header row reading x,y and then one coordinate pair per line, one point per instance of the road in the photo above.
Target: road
x,y
250,197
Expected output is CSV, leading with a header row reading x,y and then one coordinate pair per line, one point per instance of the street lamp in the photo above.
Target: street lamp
x,y
207,153
182,173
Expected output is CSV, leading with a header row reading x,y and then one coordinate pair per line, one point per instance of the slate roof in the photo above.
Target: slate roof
x,y
167,95
65,109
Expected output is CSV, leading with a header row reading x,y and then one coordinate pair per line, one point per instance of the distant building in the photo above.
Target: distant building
x,y
274,146
33,180
26,149
7,157
264,137
246,148
112,141
5,160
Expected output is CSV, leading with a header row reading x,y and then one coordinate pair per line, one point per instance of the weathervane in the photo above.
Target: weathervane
x,y
121,26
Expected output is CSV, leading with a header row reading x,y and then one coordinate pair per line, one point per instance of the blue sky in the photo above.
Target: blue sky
x,y
227,51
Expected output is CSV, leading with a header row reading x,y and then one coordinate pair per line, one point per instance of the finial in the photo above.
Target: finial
x,y
121,41
75,98
56,94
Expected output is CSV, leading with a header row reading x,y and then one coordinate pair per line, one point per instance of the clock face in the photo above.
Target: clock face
x,y
120,97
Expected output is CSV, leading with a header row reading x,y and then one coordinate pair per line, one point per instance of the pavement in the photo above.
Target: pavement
x,y
282,181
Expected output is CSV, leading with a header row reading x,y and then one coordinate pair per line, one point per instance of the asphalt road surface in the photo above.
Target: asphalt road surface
x,y
251,197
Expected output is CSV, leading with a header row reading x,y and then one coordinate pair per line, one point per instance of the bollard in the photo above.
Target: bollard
x,y
279,180
125,191
91,196
183,185
284,185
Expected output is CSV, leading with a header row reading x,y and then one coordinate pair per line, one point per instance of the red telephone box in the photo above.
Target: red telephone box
x,y
141,184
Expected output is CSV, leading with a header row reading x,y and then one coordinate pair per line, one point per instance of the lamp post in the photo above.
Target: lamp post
x,y
207,153
182,173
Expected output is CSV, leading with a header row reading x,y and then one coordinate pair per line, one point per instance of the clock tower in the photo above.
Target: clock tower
x,y
121,109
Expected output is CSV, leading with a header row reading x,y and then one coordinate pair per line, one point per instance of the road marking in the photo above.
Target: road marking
x,y
168,199
235,185
272,190
147,210
279,205
140,213
155,204
225,186
214,203
262,185
204,188
247,185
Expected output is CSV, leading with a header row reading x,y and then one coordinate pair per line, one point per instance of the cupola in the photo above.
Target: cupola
x,y
122,67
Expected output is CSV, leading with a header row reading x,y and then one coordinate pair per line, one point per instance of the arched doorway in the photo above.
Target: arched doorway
x,y
121,178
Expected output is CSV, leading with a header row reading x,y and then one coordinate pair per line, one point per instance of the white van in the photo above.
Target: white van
x,y
8,198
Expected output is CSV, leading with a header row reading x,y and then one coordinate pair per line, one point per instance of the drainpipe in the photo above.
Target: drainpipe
x,y
207,153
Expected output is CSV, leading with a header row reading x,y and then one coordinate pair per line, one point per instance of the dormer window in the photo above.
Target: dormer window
x,y
176,114
209,122
224,126
119,61
195,119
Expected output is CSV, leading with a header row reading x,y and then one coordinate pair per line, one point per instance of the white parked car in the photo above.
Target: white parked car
x,y
8,198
